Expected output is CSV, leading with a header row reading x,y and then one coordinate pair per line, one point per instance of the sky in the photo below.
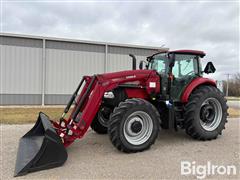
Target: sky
x,y
211,26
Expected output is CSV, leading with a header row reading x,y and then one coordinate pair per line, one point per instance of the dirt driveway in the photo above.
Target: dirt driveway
x,y
95,157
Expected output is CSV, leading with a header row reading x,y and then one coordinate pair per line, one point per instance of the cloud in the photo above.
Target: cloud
x,y
210,26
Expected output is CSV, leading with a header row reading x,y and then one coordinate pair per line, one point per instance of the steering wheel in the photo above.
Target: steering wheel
x,y
191,72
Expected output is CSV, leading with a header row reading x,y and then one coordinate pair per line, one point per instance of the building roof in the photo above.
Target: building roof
x,y
82,41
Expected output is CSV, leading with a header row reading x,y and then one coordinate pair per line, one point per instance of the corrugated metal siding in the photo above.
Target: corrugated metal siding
x,y
65,68
56,99
66,62
119,59
75,46
20,99
22,70
25,42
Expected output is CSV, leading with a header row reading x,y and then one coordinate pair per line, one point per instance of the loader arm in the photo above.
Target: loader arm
x,y
90,98
44,146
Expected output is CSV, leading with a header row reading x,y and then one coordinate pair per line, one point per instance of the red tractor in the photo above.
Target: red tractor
x,y
131,107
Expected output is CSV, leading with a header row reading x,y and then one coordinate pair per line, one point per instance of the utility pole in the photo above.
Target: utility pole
x,y
227,83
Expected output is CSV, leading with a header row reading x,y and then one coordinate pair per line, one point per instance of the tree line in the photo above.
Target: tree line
x,y
233,85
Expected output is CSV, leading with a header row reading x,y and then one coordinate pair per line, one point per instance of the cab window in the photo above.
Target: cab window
x,y
160,63
185,65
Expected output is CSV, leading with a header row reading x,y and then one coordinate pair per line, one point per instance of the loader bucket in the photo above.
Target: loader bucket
x,y
40,148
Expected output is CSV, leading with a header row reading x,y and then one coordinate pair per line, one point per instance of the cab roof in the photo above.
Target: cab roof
x,y
195,52
184,51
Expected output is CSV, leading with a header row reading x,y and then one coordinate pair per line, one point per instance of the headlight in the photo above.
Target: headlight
x,y
109,95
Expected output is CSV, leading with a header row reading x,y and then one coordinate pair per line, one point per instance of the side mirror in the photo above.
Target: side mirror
x,y
141,64
209,68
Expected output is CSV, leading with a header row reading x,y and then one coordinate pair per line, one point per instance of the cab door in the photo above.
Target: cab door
x,y
185,69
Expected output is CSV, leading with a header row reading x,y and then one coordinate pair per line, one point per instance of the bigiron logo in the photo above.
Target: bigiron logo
x,y
208,169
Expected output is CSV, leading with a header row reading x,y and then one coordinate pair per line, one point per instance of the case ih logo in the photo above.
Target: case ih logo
x,y
209,169
128,77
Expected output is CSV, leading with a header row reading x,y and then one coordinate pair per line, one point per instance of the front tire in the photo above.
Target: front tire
x,y
134,125
205,113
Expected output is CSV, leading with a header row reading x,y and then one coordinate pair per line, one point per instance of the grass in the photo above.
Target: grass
x,y
234,112
232,98
29,115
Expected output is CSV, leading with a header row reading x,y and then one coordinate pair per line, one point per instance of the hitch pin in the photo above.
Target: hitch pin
x,y
62,123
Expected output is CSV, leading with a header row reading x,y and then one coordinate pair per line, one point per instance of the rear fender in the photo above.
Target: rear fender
x,y
193,85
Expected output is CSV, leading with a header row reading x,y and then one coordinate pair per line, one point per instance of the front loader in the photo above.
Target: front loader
x,y
131,106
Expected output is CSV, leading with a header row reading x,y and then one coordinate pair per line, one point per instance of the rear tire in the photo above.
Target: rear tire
x,y
100,122
134,125
205,113
98,127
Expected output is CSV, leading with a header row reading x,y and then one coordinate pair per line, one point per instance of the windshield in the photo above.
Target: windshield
x,y
159,63
185,64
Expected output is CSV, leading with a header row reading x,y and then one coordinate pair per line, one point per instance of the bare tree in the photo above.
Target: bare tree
x,y
233,85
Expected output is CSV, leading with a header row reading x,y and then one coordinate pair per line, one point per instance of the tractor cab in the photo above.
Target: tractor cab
x,y
179,67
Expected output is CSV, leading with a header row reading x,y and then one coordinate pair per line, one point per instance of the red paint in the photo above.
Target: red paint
x,y
195,83
137,93
153,90
102,84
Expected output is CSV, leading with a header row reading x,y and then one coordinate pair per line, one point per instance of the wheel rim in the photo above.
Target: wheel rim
x,y
210,114
138,128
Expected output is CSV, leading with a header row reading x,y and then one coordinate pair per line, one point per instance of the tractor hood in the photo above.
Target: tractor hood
x,y
135,78
128,74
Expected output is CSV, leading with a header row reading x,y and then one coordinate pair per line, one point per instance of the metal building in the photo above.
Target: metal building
x,y
41,70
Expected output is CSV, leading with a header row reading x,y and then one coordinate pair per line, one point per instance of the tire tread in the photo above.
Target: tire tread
x,y
190,107
116,117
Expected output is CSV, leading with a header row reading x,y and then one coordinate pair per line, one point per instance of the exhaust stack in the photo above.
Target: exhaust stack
x,y
134,61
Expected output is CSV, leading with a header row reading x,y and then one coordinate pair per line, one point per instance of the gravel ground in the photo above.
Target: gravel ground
x,y
94,157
